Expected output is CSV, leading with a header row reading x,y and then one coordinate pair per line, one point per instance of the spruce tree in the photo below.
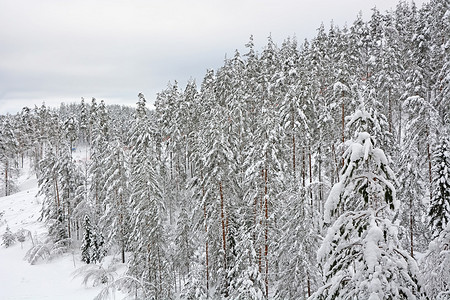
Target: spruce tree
x,y
8,155
8,238
360,255
115,220
439,211
149,258
434,266
87,245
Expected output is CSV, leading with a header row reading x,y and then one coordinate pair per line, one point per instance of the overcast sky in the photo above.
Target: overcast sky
x,y
61,50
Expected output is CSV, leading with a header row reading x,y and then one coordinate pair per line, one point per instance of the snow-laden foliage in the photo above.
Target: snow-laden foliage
x,y
366,171
360,255
46,250
439,212
8,238
435,266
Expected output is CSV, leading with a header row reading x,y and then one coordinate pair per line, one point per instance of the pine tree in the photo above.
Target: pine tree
x,y
24,133
93,246
184,243
149,257
8,238
361,256
434,265
8,152
86,246
83,121
412,194
99,144
57,230
116,217
71,131
439,212
98,246
48,182
297,248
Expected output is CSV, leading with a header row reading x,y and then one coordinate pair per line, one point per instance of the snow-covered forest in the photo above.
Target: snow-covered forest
x,y
307,170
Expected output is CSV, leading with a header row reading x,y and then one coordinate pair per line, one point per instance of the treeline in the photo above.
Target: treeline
x,y
221,192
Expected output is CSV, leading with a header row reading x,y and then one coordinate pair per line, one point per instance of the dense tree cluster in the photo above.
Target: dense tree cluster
x,y
317,170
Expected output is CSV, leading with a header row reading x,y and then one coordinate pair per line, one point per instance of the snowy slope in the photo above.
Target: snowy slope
x,y
46,280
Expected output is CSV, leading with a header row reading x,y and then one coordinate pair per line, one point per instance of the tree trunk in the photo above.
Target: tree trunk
x,y
6,177
69,221
310,177
171,166
309,285
390,111
293,155
160,274
122,233
429,165
343,124
261,209
411,226
303,167
400,125
123,250
293,145
266,234
336,166
57,192
224,237
206,240
320,180
343,118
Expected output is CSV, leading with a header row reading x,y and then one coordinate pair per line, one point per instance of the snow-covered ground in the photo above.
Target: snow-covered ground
x,y
51,280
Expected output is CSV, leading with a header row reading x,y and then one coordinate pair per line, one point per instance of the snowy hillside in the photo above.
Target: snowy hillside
x,y
44,280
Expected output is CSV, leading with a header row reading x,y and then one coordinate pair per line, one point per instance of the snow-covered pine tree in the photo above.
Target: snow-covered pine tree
x,y
412,194
57,231
439,211
443,82
99,144
246,278
195,286
48,185
24,133
298,273
115,219
184,243
215,160
71,131
360,255
8,238
83,122
70,179
93,246
98,246
421,123
149,260
8,155
434,265
86,246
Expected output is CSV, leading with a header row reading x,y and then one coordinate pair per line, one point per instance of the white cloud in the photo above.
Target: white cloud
x,y
61,49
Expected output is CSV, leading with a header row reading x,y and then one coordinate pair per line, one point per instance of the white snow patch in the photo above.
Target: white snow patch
x,y
332,201
45,280
371,250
